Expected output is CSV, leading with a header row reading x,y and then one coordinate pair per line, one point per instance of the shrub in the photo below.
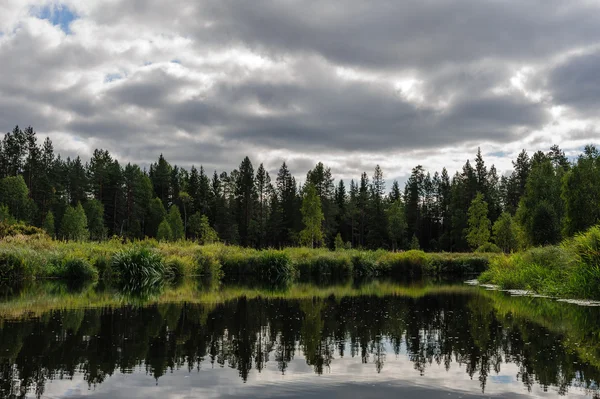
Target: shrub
x,y
208,265
364,264
489,247
76,269
13,267
103,264
409,262
10,230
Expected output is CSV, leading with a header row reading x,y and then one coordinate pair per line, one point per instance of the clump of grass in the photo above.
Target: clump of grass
x,y
139,267
544,270
273,266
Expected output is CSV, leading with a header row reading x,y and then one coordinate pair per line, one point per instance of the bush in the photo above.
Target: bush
x,y
103,265
76,269
489,247
10,230
208,265
409,262
13,267
364,264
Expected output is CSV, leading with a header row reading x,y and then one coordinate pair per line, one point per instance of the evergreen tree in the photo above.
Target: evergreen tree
x,y
263,182
541,209
478,231
246,198
160,175
377,228
581,192
312,217
397,224
74,224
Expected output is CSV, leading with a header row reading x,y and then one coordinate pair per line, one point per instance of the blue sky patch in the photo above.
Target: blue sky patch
x,y
111,77
58,15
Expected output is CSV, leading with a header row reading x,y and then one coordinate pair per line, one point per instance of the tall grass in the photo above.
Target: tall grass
x,y
571,269
148,260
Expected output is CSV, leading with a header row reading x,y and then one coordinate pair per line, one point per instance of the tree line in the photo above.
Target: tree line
x,y
544,199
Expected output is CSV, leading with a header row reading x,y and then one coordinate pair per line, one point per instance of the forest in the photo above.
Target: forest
x,y
547,197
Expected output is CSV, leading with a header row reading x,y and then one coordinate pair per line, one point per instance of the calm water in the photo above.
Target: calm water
x,y
349,342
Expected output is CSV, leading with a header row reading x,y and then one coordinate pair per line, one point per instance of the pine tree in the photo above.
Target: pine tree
x,y
396,224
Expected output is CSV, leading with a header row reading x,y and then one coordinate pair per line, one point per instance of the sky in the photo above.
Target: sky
x,y
351,83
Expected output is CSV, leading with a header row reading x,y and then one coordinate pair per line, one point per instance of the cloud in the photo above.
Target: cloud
x,y
349,83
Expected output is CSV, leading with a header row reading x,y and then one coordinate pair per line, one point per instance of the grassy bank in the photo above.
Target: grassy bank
x,y
150,261
571,269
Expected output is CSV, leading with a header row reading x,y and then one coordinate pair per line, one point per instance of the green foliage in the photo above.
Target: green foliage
x,y
5,216
138,267
9,230
414,243
94,212
397,224
13,267
75,269
541,209
164,232
15,194
156,215
48,225
506,233
312,217
478,230
581,192
176,224
339,243
74,224
489,247
200,228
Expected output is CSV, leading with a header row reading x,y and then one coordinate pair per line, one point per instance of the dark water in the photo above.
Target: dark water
x,y
442,342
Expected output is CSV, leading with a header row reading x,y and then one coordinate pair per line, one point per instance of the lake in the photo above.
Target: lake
x,y
373,339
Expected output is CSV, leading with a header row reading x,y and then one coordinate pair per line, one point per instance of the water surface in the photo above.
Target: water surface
x,y
348,340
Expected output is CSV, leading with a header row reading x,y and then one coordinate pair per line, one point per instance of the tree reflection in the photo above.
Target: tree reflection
x,y
244,334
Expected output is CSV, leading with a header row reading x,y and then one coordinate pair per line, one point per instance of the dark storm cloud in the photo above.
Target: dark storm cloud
x,y
297,78
576,83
